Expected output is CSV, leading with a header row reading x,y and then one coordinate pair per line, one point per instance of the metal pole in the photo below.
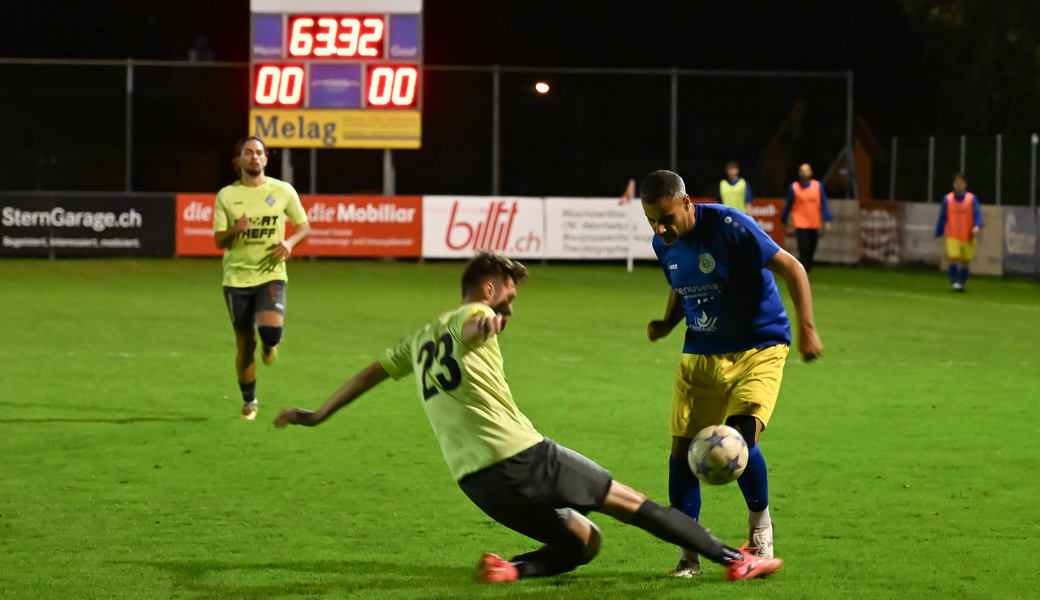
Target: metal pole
x,y
496,133
1000,154
964,152
674,140
287,174
128,142
892,172
850,155
388,173
314,170
931,166
1032,170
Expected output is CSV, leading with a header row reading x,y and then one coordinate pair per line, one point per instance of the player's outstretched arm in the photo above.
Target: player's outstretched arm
x,y
672,315
364,380
478,329
793,272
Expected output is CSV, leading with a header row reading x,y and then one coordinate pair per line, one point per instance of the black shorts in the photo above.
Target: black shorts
x,y
534,491
244,303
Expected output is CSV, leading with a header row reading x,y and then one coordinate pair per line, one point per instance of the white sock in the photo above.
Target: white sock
x,y
757,520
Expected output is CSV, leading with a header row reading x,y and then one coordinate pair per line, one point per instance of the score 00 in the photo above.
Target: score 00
x,y
387,86
392,85
279,85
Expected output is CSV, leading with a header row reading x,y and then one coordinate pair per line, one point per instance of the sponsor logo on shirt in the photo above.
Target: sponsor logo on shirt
x,y
704,323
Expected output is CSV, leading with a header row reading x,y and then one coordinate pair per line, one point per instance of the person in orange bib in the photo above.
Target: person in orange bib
x,y
960,220
806,206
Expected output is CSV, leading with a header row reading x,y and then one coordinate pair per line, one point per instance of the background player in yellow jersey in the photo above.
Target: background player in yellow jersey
x,y
518,477
734,190
249,224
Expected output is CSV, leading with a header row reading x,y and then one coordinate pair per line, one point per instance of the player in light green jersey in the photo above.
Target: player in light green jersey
x,y
516,476
249,225
734,190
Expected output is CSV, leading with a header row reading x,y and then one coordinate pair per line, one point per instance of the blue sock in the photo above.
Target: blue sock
x,y
964,275
953,273
754,482
684,489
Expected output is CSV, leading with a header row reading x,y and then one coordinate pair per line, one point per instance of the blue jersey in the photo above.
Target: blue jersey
x,y
729,296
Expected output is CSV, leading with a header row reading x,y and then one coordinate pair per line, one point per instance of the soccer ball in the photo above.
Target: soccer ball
x,y
718,454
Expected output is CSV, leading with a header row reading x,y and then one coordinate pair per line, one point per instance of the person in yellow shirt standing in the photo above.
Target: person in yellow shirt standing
x,y
734,190
249,225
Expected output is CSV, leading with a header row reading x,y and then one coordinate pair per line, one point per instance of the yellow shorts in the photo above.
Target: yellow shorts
x,y
960,250
711,387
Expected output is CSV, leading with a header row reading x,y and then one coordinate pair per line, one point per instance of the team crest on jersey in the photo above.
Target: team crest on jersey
x,y
270,200
706,262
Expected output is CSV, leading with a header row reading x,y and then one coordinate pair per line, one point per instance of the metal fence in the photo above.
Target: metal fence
x,y
138,126
1000,169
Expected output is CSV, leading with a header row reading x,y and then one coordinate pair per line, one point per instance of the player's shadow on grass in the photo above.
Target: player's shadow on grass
x,y
215,579
112,421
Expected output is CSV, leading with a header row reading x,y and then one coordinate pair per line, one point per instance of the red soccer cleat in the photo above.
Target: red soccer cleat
x,y
751,567
495,569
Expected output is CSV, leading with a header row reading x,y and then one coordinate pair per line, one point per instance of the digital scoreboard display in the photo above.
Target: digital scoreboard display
x,y
336,73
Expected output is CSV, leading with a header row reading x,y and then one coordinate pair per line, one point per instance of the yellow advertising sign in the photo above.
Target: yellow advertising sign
x,y
310,128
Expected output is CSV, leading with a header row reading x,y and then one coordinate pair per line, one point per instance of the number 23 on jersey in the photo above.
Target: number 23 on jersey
x,y
440,370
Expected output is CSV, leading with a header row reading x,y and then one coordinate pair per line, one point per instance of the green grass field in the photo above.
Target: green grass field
x,y
903,464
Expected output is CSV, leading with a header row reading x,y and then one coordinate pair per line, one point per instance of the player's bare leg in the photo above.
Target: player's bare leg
x,y
245,368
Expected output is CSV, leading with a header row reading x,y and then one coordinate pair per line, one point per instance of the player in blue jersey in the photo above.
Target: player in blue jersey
x,y
720,264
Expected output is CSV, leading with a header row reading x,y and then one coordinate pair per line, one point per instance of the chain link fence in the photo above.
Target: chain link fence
x,y
139,126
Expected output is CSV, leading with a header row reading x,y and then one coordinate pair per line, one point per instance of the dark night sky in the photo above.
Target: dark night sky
x,y
896,56
874,38
813,34
918,69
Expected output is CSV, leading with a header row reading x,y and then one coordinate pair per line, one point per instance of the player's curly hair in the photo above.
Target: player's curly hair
x,y
238,150
661,184
489,264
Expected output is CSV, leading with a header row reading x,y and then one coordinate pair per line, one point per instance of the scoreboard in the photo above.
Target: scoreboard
x,y
336,73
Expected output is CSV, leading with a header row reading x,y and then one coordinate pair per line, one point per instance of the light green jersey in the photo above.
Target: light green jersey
x,y
734,195
246,261
464,392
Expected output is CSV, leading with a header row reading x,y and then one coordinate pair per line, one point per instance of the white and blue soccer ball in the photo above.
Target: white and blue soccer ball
x,y
718,454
